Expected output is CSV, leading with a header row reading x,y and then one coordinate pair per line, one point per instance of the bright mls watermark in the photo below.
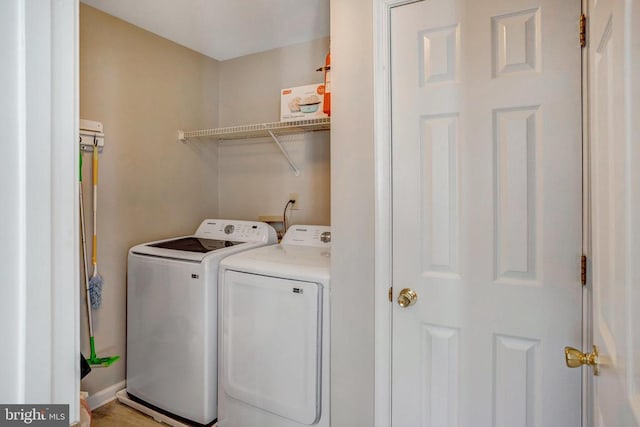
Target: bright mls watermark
x,y
34,415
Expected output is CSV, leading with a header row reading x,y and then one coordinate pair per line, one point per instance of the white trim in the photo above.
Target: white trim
x,y
21,281
587,294
65,284
632,132
105,396
39,298
383,255
37,201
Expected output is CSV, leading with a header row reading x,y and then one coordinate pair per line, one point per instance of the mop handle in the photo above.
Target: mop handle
x,y
84,252
94,258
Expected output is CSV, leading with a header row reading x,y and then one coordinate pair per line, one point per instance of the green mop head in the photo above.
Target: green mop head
x,y
100,361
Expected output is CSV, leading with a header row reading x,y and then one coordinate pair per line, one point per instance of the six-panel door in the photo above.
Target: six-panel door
x,y
486,159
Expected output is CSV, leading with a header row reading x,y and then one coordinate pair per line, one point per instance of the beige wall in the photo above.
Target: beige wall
x,y
352,200
250,85
254,177
143,88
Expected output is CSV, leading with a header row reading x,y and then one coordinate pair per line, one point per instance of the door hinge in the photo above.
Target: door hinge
x,y
583,30
390,294
583,270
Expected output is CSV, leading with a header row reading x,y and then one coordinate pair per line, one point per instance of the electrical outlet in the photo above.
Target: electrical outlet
x,y
296,203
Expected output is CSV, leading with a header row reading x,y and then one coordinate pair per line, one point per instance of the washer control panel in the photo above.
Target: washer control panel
x,y
239,231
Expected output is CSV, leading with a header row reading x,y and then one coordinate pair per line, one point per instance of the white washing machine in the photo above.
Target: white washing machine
x,y
274,333
172,300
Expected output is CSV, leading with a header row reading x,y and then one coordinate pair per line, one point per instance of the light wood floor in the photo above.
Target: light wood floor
x,y
115,414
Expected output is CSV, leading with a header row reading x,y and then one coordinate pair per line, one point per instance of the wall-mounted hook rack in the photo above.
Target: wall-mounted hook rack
x,y
91,133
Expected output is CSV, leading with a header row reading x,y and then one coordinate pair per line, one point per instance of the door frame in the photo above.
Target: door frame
x,y
587,294
383,304
382,209
40,216
631,129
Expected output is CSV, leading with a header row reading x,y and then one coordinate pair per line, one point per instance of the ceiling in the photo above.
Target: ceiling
x,y
225,29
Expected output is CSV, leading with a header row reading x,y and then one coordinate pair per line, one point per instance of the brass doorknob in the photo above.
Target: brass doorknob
x,y
407,297
575,358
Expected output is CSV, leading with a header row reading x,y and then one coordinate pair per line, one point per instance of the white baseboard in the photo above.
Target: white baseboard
x,y
105,396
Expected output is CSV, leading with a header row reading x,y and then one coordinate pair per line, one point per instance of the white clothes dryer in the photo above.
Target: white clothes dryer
x,y
274,333
172,301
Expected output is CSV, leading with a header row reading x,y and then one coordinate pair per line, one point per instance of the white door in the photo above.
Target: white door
x,y
487,175
615,209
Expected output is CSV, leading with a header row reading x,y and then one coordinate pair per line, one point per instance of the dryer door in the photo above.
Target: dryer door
x,y
271,344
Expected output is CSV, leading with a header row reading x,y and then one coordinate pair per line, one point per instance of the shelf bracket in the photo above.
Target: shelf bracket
x,y
181,137
296,171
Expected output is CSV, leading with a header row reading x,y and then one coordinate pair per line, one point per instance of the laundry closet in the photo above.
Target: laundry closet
x,y
144,89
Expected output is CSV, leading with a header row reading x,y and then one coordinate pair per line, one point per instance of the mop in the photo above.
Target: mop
x,y
93,359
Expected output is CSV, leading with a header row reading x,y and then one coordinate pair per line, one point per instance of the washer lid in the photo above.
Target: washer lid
x,y
195,244
214,238
192,248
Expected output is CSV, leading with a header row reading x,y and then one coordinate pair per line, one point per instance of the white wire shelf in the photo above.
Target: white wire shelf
x,y
273,130
257,130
